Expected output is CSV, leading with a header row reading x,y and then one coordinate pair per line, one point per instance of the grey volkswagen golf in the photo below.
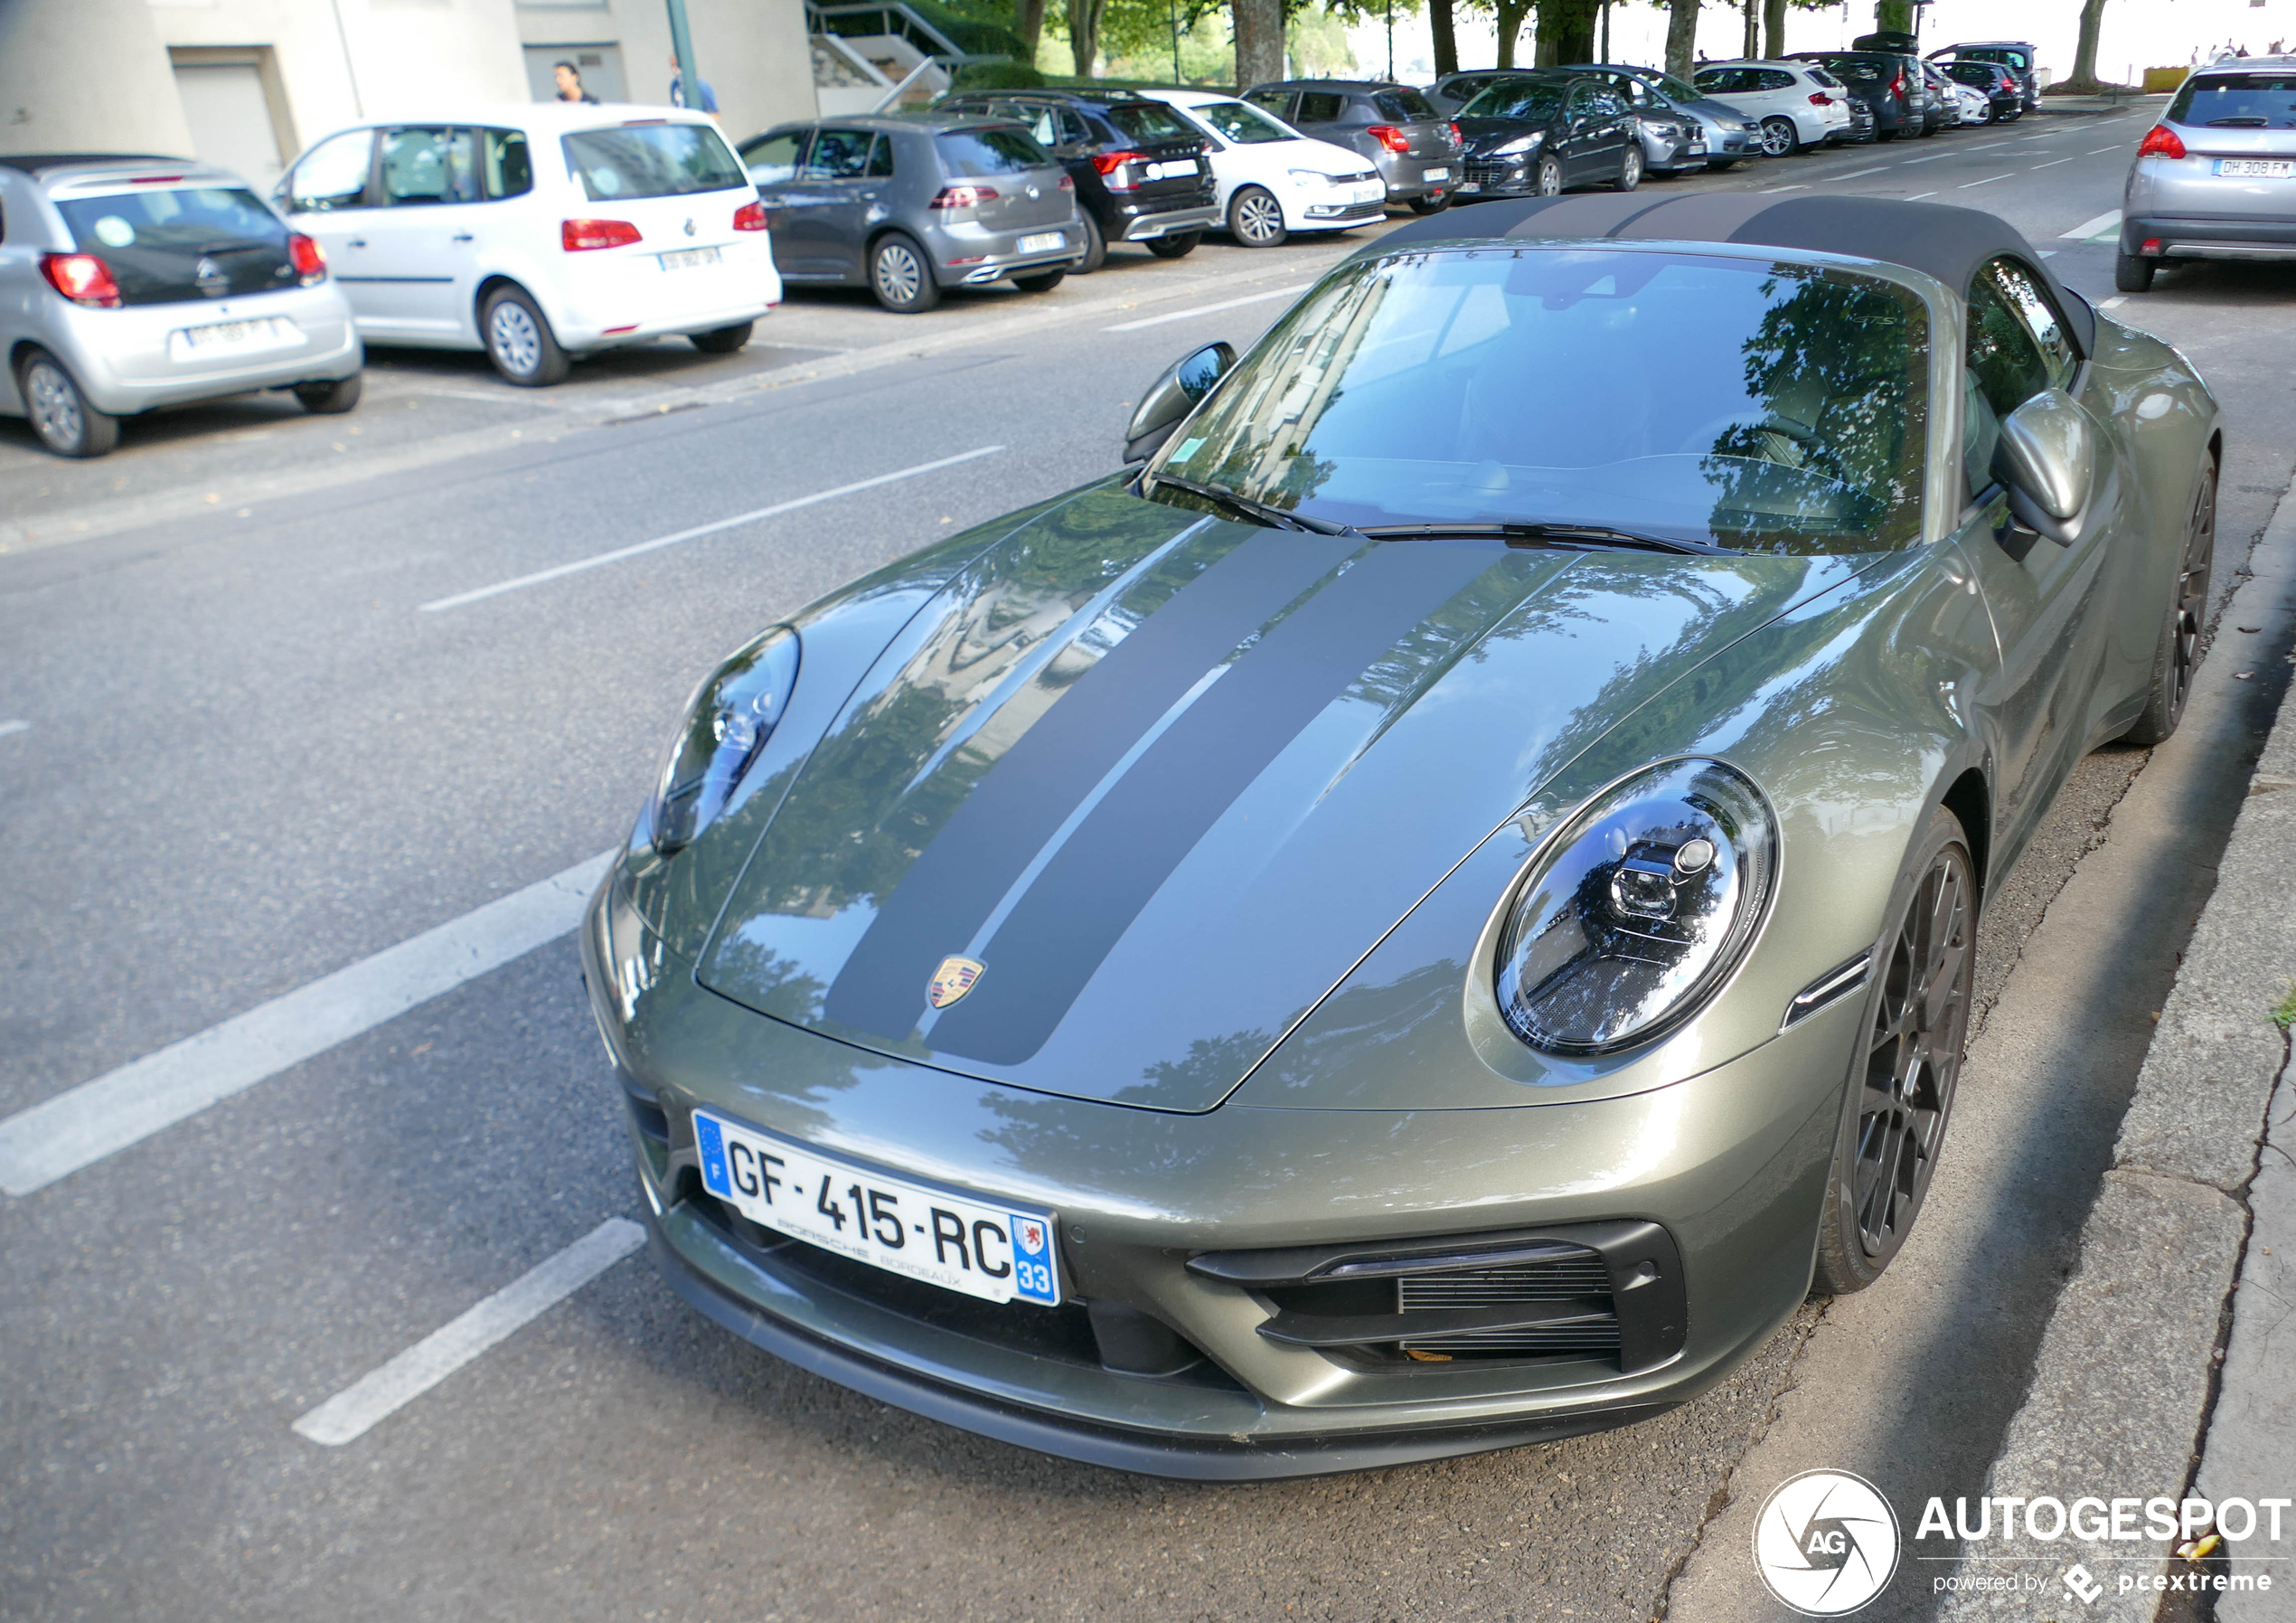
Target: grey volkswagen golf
x,y
908,206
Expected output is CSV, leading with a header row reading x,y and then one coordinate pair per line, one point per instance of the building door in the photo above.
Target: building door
x,y
231,120
600,67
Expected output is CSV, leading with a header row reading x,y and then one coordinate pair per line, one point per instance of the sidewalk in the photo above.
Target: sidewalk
x,y
2189,1256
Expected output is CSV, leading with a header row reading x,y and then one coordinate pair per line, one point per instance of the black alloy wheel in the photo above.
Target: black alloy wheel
x,y
721,341
1434,204
902,275
1549,180
2132,273
1255,219
326,399
1174,245
1901,1092
1778,138
60,413
2177,660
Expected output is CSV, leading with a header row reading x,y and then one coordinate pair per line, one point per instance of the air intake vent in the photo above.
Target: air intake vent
x,y
1582,1282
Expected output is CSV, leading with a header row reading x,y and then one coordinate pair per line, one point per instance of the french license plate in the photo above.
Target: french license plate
x,y
1171,166
1372,193
686,259
997,1252
1468,188
2259,168
1435,174
1042,242
272,332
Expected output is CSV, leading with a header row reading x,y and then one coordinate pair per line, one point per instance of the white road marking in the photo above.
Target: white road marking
x,y
659,542
8,727
1918,196
1225,304
2100,150
2049,253
1987,180
352,1412
2113,303
1854,174
1797,186
1932,158
2088,231
82,1124
2052,163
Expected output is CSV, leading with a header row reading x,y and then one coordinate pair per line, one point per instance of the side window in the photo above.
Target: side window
x,y
1718,82
427,166
1582,101
772,160
1279,102
508,166
2005,369
1773,80
332,176
881,158
2022,292
839,154
1321,107
1073,131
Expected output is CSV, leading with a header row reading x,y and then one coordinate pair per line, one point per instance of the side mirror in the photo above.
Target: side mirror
x,y
1171,396
2048,458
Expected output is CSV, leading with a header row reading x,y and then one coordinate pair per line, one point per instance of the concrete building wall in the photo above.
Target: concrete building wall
x,y
86,76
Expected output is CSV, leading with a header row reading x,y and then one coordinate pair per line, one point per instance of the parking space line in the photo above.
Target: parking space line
x,y
82,1124
1225,304
1854,174
2101,150
659,542
1797,186
355,1411
1918,196
2052,163
2088,229
1987,180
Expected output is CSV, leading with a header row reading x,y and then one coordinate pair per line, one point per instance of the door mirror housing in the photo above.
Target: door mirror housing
x,y
2047,458
1171,396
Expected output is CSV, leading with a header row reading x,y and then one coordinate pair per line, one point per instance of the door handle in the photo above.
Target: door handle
x,y
461,237
358,243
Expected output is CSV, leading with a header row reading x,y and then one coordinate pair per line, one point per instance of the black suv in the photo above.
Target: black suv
x,y
2016,55
1140,173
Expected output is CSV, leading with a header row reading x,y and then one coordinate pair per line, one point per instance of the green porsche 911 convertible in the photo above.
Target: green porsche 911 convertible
x,y
1431,912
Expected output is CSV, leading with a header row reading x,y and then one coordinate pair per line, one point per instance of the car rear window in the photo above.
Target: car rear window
x,y
1857,69
1404,106
1820,76
1148,121
2237,101
651,160
1004,151
165,245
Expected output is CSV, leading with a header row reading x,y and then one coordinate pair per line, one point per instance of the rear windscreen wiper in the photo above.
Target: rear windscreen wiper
x,y
1244,506
1539,534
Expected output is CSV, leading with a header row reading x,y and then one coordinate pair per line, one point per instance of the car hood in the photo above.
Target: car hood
x,y
1481,135
1140,787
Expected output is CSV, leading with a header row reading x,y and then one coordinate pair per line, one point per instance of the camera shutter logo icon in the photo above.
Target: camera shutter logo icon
x,y
1825,1542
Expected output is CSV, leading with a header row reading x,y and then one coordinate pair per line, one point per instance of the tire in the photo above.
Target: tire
x,y
1431,205
1042,281
1780,139
721,341
1256,219
901,274
60,413
1095,247
1986,116
518,340
2177,659
1630,168
1899,1098
1549,181
1179,245
2132,273
326,400
1722,166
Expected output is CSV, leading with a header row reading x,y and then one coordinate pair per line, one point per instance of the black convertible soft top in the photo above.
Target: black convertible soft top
x,y
1949,243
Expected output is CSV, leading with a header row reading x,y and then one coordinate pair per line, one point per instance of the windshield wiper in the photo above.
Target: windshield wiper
x,y
1244,507
1541,534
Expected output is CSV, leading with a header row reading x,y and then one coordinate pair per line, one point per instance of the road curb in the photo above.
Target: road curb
x,y
2126,1377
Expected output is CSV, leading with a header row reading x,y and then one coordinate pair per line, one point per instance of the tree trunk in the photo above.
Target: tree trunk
x,y
1566,32
1446,41
1083,33
1030,19
1259,42
2084,53
1681,36
1892,16
1773,28
1510,16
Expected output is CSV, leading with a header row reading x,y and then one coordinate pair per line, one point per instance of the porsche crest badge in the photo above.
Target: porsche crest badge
x,y
953,980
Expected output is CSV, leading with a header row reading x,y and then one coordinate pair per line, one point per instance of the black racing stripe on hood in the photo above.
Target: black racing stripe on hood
x,y
1087,896
990,840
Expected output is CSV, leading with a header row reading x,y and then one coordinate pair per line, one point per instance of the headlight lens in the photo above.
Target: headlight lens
x,y
1312,177
1642,907
732,715
1507,149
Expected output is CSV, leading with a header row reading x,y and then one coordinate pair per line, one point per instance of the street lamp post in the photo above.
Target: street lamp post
x,y
681,46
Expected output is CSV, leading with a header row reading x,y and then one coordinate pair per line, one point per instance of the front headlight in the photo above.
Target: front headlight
x,y
1520,144
732,715
1640,909
1312,177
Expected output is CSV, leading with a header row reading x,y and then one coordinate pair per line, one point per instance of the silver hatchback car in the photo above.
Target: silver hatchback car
x,y
128,283
2215,179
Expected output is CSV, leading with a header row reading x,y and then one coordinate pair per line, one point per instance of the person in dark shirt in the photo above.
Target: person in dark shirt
x,y
569,83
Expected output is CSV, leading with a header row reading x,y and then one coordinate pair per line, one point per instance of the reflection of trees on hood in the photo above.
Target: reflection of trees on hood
x,y
1837,366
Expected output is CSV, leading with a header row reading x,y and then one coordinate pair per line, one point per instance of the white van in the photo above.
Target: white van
x,y
539,232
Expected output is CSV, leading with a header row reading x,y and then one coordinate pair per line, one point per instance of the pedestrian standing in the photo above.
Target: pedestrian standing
x,y
569,83
707,101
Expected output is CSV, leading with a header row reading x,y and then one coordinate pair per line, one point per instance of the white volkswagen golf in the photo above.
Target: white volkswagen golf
x,y
1274,180
540,233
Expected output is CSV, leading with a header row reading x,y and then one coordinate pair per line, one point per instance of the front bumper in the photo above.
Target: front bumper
x,y
1731,1165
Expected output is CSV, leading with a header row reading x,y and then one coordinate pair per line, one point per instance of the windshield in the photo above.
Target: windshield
x,y
2237,101
1763,407
1245,126
1005,151
652,160
1515,99
1674,87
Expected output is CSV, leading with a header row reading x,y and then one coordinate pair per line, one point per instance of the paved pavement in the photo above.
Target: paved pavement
x,y
254,760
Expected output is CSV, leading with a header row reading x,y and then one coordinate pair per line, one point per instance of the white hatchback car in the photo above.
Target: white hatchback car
x,y
1272,180
1793,105
540,232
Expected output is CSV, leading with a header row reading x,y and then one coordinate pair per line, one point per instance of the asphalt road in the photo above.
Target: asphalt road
x,y
261,741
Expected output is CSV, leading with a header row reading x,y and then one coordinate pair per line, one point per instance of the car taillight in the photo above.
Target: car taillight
x,y
1897,87
2161,142
1068,181
752,217
2151,245
1457,139
962,197
1111,163
309,259
82,277
1389,137
1819,99
581,236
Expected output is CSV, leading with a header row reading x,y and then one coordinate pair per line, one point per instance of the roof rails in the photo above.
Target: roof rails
x,y
39,163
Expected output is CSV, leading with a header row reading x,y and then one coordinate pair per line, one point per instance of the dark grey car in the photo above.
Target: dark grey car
x,y
1730,134
1415,147
911,206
